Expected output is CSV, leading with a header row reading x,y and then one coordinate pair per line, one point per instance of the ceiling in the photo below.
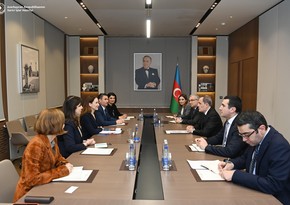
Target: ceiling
x,y
169,17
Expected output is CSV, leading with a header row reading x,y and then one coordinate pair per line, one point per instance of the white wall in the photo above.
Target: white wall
x,y
273,67
28,29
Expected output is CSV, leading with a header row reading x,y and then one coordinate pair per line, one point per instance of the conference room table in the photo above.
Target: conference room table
x,y
113,184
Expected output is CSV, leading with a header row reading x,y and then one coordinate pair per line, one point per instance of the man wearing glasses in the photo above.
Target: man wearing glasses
x,y
267,159
193,117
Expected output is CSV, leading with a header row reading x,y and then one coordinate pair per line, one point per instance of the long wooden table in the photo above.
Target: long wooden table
x,y
114,186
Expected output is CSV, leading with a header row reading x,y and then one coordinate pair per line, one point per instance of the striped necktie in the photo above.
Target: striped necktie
x,y
254,159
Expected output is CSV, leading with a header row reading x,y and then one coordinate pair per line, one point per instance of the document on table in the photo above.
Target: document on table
x,y
77,174
111,131
170,116
98,151
195,148
101,145
206,169
176,132
172,121
129,117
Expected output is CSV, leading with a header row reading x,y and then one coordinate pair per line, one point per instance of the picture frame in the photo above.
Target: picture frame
x,y
150,80
29,69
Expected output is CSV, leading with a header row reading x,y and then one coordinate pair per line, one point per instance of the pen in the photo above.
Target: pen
x,y
227,161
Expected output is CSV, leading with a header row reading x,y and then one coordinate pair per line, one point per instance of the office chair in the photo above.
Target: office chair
x,y
8,180
18,138
29,122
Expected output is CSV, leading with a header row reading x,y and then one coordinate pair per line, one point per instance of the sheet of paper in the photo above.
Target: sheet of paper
x,y
169,116
98,151
129,117
77,174
211,165
101,145
208,175
111,131
195,148
176,132
172,121
196,164
71,189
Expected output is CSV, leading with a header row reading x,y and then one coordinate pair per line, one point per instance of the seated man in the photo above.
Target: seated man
x,y
102,116
266,160
228,141
194,115
211,122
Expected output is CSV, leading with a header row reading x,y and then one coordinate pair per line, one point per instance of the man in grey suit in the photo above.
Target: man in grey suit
x,y
147,77
227,142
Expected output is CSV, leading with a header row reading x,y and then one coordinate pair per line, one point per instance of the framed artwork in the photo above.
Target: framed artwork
x,y
147,71
29,69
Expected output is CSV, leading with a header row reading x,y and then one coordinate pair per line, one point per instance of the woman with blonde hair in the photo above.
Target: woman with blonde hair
x,y
42,161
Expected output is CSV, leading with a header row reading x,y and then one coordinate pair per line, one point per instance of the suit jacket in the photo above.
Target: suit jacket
x,y
102,119
272,167
234,146
89,125
193,117
72,141
40,165
209,125
141,78
113,111
186,110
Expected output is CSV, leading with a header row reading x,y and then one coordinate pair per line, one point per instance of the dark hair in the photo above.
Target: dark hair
x,y
235,101
69,107
207,99
113,94
254,118
101,95
87,101
184,96
146,56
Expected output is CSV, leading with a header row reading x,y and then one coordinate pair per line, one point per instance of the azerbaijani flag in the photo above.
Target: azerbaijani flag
x,y
176,91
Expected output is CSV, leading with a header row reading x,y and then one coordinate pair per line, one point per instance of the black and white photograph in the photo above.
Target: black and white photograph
x,y
29,69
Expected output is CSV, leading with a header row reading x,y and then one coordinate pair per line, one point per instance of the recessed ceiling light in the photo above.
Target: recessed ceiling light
x,y
223,23
65,17
231,17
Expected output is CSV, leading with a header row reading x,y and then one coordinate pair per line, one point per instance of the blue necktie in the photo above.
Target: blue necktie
x,y
225,134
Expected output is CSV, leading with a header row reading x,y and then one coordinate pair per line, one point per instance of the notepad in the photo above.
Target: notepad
x,y
195,148
176,132
172,121
111,131
98,151
101,145
169,116
208,175
129,117
77,174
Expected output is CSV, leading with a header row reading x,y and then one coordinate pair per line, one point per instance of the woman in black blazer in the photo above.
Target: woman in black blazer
x,y
112,108
88,120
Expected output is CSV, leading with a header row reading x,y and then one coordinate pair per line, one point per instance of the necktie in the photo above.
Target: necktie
x,y
147,73
225,134
254,159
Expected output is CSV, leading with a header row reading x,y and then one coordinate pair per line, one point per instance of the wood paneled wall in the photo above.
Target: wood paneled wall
x,y
243,64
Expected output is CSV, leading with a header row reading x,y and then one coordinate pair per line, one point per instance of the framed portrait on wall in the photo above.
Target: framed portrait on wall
x,y
147,71
29,69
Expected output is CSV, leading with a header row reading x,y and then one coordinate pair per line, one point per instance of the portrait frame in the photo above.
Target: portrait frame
x,y
28,69
156,65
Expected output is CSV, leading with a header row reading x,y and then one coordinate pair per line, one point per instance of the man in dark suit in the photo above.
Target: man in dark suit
x,y
266,160
211,122
146,77
102,116
227,142
193,117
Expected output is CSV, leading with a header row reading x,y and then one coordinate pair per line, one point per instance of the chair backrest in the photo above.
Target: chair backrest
x,y
29,122
8,180
15,126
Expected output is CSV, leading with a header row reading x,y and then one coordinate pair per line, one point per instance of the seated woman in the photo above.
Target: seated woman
x,y
89,123
73,140
42,161
112,108
184,107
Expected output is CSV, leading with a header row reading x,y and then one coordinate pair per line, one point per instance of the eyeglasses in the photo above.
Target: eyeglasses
x,y
246,134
